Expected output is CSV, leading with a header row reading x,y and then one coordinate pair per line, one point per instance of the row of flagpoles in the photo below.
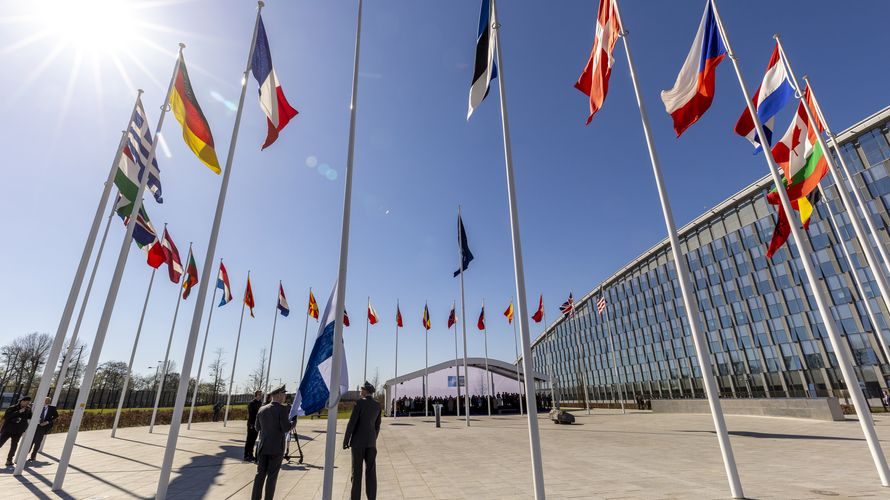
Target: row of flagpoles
x,y
795,165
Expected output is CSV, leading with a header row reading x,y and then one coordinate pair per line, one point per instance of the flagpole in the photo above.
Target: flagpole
x,y
582,375
689,300
850,378
852,272
235,359
201,360
519,271
612,351
487,372
516,351
337,356
367,322
551,373
272,343
395,389
55,349
108,308
426,366
120,404
305,333
456,364
197,316
463,316
66,359
154,411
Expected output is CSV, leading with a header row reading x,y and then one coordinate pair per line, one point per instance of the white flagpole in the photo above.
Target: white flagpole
x,y
272,343
120,404
487,372
519,271
612,351
337,356
105,320
197,316
879,270
66,360
852,382
395,388
305,333
551,373
582,375
426,367
201,359
56,348
154,411
235,360
689,300
463,316
516,350
367,322
456,364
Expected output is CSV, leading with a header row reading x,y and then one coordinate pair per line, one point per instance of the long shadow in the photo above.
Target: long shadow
x,y
153,466
196,484
770,435
39,494
148,444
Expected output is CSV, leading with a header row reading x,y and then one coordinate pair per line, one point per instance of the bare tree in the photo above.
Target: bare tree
x,y
257,376
217,378
75,366
25,356
110,375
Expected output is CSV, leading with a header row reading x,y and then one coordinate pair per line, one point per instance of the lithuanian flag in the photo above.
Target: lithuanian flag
x,y
195,129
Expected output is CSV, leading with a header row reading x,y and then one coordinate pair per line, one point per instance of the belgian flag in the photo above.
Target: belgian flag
x,y
195,129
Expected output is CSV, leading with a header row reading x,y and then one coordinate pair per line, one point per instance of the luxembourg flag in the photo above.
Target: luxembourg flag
x,y
773,94
222,282
315,390
282,301
272,100
694,89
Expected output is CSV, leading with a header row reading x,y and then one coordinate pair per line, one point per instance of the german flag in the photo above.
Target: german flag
x,y
195,129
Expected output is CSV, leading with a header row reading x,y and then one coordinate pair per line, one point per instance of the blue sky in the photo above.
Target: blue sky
x,y
587,201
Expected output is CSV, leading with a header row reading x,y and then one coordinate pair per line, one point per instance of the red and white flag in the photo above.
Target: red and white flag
x,y
594,80
372,314
171,257
539,314
601,305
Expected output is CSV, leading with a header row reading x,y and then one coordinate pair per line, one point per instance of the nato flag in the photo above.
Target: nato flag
x,y
465,254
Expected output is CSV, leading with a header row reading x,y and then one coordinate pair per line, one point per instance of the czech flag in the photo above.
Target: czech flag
x,y
282,301
272,100
222,282
694,89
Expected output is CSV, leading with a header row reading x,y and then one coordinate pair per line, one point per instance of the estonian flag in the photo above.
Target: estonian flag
x,y
466,256
485,70
314,391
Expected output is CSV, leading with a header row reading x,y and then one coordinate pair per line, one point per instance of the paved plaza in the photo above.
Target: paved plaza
x,y
605,455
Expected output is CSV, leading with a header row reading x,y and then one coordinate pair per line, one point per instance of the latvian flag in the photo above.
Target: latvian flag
x,y
282,301
484,70
222,282
272,100
171,257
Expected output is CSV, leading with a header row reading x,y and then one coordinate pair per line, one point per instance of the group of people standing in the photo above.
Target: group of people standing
x,y
15,423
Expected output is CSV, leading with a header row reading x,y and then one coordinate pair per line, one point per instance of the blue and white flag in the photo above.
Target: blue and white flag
x,y
773,94
140,143
484,69
282,301
315,388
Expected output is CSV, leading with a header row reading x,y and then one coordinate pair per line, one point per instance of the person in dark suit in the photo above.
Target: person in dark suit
x,y
272,424
47,417
15,423
361,436
252,408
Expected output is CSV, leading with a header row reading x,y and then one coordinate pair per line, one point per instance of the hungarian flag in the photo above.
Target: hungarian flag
x,y
313,306
783,229
509,313
372,314
195,129
222,282
594,80
248,297
426,318
481,323
282,301
275,106
799,154
399,317
191,275
539,314
568,306
345,318
171,257
452,317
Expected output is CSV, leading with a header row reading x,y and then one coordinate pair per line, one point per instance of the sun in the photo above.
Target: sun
x,y
89,26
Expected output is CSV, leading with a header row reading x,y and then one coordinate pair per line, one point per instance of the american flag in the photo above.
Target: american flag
x,y
567,306
139,140
601,305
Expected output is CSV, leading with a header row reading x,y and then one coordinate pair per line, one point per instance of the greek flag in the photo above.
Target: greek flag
x,y
139,140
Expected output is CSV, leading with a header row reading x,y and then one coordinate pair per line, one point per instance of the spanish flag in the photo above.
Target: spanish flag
x,y
195,129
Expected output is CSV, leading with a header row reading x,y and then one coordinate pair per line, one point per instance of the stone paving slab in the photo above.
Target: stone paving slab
x,y
606,455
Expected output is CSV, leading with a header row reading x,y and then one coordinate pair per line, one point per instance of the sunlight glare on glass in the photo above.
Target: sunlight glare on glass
x,y
93,26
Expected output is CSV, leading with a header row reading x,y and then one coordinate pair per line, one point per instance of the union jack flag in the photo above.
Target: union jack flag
x,y
568,306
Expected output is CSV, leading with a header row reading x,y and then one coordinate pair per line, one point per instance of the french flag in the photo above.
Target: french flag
x,y
773,94
272,100
694,89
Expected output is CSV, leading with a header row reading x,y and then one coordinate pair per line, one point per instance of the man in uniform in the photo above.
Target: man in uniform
x,y
272,424
361,436
47,417
252,408
15,423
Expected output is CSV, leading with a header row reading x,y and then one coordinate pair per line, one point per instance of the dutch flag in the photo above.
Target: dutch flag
x,y
272,100
282,301
773,94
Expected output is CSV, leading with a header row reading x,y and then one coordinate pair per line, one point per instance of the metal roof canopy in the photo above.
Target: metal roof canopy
x,y
494,365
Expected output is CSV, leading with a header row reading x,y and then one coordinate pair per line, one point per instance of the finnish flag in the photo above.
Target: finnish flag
x,y
315,388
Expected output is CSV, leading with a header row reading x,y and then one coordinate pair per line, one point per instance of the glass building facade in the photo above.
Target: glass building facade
x,y
765,335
